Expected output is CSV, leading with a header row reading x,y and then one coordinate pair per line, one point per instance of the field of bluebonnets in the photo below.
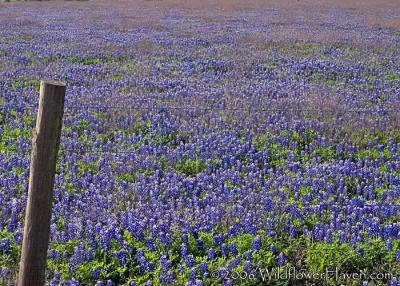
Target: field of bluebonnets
x,y
205,141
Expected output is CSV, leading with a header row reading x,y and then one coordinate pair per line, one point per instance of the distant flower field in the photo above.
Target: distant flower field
x,y
207,145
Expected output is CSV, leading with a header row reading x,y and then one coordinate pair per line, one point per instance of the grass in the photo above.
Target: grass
x,y
26,82
97,59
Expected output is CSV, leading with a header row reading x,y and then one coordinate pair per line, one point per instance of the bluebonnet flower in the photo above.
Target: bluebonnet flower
x,y
5,244
247,267
151,266
200,244
233,249
56,279
192,274
218,240
72,283
18,237
150,244
398,255
123,256
234,263
96,273
189,261
211,254
223,272
389,245
165,263
292,232
170,277
5,273
281,260
248,256
185,239
224,249
54,254
184,250
257,243
227,283
203,268
161,278
142,268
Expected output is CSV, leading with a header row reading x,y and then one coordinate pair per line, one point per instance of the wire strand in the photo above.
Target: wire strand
x,y
199,108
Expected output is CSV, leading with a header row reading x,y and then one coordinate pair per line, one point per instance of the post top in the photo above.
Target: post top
x,y
53,82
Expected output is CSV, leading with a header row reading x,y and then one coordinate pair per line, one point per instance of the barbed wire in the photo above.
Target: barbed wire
x,y
76,150
248,109
201,108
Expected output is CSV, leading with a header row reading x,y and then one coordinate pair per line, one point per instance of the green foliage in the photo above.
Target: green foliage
x,y
321,256
392,76
13,134
327,153
127,177
87,167
190,167
301,253
12,254
81,127
373,154
116,76
125,89
98,59
16,38
26,82
271,64
230,185
278,151
342,259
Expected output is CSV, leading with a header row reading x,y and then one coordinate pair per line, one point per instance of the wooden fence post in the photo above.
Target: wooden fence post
x,y
46,140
